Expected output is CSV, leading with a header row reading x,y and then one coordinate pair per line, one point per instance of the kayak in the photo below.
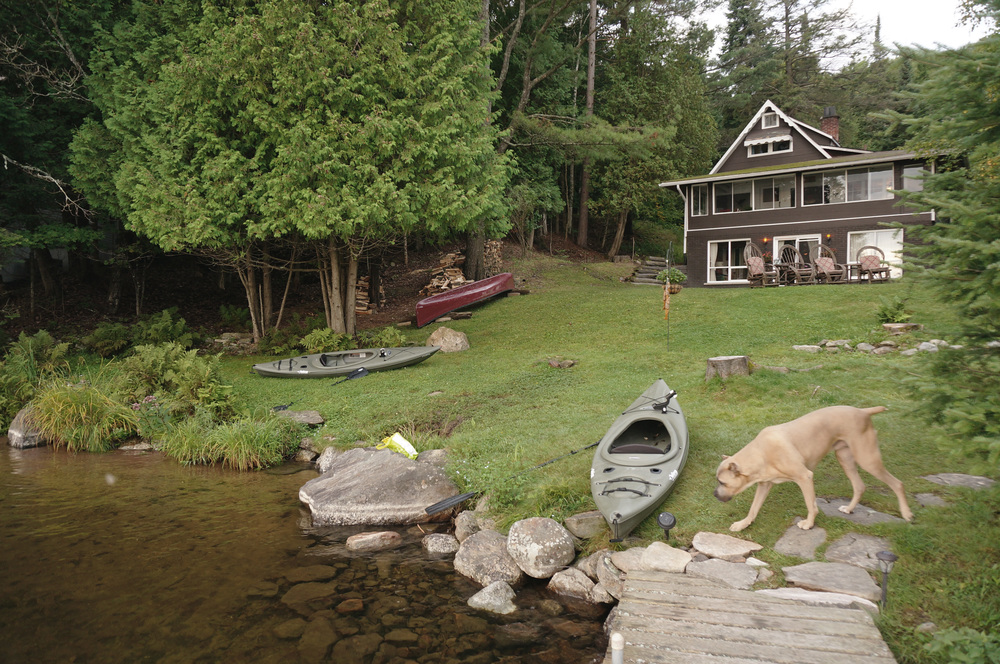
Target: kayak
x,y
435,306
639,459
341,363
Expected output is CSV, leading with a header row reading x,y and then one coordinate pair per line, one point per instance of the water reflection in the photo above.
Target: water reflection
x,y
135,558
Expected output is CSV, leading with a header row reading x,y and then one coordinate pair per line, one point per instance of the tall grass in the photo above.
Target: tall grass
x,y
244,443
80,416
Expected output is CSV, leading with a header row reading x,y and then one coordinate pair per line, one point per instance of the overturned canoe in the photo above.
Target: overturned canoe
x,y
435,306
344,362
639,459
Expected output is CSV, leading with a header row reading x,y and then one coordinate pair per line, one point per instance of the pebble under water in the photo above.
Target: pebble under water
x,y
125,557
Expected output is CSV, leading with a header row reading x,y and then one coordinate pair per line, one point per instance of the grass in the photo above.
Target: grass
x,y
501,408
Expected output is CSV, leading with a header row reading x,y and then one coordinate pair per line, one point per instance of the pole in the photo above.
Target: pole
x,y
670,251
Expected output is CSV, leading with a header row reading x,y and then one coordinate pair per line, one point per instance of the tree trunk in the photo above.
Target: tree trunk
x,y
582,226
47,271
475,241
616,244
114,299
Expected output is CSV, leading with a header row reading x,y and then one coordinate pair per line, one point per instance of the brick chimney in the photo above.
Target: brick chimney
x,y
830,124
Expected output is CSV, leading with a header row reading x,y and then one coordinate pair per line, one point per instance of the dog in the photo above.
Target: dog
x,y
789,452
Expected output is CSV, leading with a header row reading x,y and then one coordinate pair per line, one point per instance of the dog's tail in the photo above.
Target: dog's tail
x,y
875,410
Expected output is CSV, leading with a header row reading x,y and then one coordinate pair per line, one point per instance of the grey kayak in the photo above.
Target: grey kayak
x,y
341,363
639,459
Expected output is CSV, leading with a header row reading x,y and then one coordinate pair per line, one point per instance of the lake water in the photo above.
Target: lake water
x,y
126,557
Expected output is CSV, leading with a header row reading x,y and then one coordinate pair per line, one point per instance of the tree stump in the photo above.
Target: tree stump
x,y
726,366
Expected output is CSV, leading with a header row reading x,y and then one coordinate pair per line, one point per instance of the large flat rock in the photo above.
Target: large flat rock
x,y
834,578
346,494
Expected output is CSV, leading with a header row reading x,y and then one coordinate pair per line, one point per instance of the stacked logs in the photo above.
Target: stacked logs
x,y
493,258
362,301
447,275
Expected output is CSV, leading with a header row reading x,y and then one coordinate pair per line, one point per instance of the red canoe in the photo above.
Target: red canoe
x,y
438,305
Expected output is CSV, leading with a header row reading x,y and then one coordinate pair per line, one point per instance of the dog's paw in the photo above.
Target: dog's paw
x,y
739,525
805,524
846,509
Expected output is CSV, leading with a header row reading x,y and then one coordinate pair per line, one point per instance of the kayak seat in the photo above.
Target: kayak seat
x,y
636,448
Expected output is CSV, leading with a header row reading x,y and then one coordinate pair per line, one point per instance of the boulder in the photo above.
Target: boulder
x,y
629,559
571,582
326,458
440,543
466,524
610,578
661,557
483,558
497,597
345,495
586,524
23,433
381,541
450,341
540,546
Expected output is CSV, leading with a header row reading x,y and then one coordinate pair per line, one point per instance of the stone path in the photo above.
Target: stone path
x,y
681,619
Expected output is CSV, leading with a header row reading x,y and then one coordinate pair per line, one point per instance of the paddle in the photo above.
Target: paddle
x,y
448,503
357,373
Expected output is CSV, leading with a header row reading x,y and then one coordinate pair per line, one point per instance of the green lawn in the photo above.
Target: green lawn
x,y
506,409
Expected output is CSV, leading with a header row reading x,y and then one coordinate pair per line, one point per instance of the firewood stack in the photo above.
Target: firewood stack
x,y
493,258
362,301
447,275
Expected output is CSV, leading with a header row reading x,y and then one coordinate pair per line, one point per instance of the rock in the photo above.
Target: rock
x,y
311,573
402,637
926,628
960,479
833,577
928,347
345,494
305,456
724,547
814,598
756,562
865,347
800,543
764,574
317,637
483,557
350,606
326,458
586,524
661,557
290,629
303,593
865,516
23,433
807,348
310,418
930,500
516,635
629,559
572,582
901,328
857,550
496,597
588,564
449,340
357,648
380,541
600,595
440,543
611,579
466,524
436,457
909,352
735,575
540,546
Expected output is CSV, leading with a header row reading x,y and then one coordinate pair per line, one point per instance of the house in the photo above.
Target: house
x,y
785,182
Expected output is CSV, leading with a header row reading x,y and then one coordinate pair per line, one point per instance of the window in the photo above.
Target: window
x,y
699,200
734,196
725,261
856,184
913,178
770,193
889,240
770,147
806,244
769,121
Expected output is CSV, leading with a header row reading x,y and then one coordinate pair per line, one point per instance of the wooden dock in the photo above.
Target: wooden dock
x,y
681,619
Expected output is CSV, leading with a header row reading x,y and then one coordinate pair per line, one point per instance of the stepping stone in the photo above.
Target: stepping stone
x,y
833,577
959,479
735,575
800,543
930,500
857,550
862,515
726,547
814,598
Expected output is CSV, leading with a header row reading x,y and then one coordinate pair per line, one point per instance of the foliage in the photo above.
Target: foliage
x,y
966,646
245,443
28,362
164,327
386,337
109,339
673,275
325,340
153,423
181,380
234,317
80,416
892,310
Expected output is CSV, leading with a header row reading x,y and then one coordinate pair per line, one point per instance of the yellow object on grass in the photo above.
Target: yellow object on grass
x,y
397,443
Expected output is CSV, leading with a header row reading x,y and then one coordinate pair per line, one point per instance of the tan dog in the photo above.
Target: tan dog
x,y
789,452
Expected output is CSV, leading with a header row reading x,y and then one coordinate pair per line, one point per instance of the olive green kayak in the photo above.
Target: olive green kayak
x,y
342,363
639,459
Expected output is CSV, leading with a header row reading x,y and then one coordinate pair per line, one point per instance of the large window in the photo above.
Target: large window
x,y
889,240
806,244
913,178
725,261
699,200
849,185
734,196
759,194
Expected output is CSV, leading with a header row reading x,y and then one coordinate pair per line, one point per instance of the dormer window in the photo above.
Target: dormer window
x,y
763,145
770,121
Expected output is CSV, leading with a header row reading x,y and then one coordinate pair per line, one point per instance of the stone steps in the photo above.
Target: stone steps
x,y
646,272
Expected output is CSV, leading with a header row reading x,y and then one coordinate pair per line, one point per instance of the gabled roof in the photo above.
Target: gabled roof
x,y
824,143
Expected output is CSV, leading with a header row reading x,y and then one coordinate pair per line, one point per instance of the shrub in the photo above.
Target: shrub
x,y
673,275
164,327
386,337
153,421
966,645
29,361
188,439
892,310
325,340
80,416
234,316
242,444
109,339
180,379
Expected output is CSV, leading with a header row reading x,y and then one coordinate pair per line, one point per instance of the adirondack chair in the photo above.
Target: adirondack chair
x,y
793,269
871,264
828,270
759,273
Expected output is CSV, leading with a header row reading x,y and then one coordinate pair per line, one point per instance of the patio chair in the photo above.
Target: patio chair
x,y
793,269
871,263
759,273
828,270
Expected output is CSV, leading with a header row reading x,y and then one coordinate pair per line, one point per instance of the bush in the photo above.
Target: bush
x,y
80,416
243,444
325,340
673,275
180,379
29,361
966,645
164,327
386,337
109,339
234,317
892,310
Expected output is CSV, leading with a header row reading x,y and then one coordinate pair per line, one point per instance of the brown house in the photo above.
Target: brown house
x,y
786,182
